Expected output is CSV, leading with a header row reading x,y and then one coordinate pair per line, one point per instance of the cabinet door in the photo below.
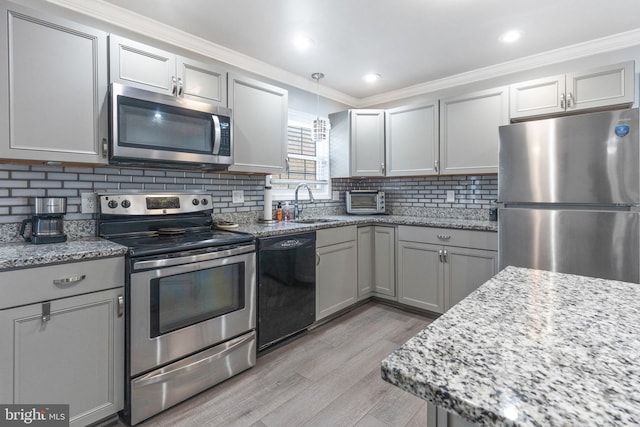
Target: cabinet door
x,y
75,357
412,140
537,97
336,278
601,87
469,128
142,66
260,115
420,276
202,82
53,88
367,142
365,261
384,261
465,269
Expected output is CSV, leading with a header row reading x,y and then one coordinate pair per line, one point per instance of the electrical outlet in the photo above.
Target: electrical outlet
x,y
238,196
450,196
88,203
336,195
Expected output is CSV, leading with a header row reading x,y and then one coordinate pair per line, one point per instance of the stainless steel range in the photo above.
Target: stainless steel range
x,y
190,293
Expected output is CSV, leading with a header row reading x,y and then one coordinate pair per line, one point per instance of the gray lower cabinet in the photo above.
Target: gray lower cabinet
x,y
438,417
336,270
67,350
439,267
53,88
377,262
260,119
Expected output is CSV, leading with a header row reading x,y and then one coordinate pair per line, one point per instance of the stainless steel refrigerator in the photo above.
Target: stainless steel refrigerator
x,y
569,195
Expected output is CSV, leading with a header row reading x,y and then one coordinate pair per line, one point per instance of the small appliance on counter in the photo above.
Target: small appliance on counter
x,y
47,222
365,202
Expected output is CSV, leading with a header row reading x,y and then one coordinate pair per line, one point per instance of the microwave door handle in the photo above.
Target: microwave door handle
x,y
217,137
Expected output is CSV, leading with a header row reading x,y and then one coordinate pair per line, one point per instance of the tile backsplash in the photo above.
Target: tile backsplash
x,y
405,196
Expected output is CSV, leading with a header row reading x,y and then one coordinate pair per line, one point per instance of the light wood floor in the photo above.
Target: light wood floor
x,y
329,377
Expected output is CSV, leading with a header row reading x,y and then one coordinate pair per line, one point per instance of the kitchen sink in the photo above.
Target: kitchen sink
x,y
313,220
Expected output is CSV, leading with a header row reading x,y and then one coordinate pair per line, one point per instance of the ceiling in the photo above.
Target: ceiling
x,y
407,42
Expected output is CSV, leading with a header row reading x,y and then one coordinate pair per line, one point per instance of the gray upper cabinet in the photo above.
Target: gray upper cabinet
x,y
469,131
53,88
146,67
357,143
412,140
590,89
260,117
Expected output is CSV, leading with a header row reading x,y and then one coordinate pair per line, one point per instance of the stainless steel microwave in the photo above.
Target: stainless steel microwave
x,y
152,129
365,202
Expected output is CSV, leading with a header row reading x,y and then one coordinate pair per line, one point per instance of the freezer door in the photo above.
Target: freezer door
x,y
582,159
601,244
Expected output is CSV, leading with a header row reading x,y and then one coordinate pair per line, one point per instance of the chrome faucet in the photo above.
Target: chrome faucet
x,y
297,207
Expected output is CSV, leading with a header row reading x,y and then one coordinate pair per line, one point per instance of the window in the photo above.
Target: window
x,y
307,161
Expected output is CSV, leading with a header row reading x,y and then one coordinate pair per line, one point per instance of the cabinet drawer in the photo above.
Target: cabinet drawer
x,y
449,237
32,285
332,236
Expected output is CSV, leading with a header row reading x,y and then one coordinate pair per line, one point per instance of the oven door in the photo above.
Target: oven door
x,y
182,305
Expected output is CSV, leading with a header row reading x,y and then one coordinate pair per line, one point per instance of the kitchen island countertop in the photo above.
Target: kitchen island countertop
x,y
531,348
22,255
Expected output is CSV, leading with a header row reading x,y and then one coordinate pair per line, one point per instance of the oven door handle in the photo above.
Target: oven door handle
x,y
159,376
189,259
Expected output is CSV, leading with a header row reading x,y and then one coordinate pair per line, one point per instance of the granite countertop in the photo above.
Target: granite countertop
x,y
285,227
531,348
21,254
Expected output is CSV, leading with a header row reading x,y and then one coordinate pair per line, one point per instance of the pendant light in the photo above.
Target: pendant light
x,y
319,125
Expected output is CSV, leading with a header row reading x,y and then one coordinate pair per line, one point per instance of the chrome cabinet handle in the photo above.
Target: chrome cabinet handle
x,y
317,258
440,253
569,100
174,86
46,312
562,100
436,166
120,306
180,87
382,168
69,280
443,236
445,255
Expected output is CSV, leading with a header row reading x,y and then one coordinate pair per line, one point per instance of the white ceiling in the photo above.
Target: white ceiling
x,y
408,42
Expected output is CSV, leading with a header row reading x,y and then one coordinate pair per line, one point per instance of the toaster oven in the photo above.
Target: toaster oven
x,y
364,202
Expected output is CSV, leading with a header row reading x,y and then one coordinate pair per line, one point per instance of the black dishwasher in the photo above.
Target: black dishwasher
x,y
286,286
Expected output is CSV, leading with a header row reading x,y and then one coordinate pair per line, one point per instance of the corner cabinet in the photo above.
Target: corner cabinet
x,y
64,330
53,88
357,143
146,67
336,270
260,120
591,89
412,140
469,131
439,267
377,262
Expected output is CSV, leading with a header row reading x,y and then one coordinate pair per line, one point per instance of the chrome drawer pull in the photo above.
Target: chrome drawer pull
x,y
69,280
443,236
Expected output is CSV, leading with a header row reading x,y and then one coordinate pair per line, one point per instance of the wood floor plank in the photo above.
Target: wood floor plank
x,y
330,376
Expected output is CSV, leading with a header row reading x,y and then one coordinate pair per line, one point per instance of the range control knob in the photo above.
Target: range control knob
x,y
195,202
125,203
112,204
205,202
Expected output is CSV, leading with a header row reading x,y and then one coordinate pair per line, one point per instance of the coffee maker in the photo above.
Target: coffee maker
x,y
47,223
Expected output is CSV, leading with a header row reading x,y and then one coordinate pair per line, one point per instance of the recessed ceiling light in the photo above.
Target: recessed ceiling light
x,y
371,77
510,36
302,42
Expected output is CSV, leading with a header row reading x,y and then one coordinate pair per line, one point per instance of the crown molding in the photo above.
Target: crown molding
x,y
131,21
140,24
580,50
